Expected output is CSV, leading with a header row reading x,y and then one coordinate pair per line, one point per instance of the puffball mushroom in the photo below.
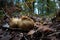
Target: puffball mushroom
x,y
25,23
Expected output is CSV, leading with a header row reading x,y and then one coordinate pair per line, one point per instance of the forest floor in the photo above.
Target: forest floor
x,y
50,30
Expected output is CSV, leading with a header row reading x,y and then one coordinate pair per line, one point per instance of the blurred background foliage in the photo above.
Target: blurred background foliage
x,y
46,8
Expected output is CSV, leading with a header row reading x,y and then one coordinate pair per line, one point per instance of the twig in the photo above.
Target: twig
x,y
53,33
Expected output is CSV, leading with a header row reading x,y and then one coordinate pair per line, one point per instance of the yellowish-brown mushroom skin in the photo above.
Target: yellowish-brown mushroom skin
x,y
13,22
25,23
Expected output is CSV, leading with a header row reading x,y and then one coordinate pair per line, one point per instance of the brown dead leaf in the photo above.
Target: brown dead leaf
x,y
31,32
